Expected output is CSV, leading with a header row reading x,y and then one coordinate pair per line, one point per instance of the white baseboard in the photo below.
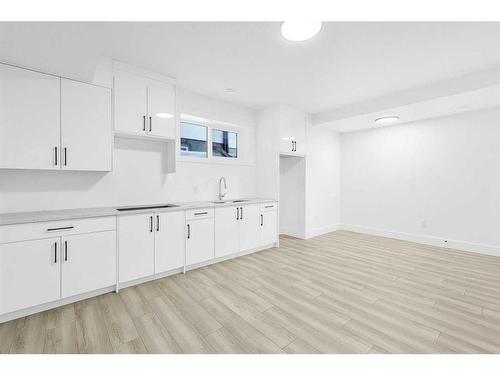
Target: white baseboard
x,y
292,232
322,230
146,279
426,240
52,305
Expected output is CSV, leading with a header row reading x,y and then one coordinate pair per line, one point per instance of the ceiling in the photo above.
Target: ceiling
x,y
347,63
467,101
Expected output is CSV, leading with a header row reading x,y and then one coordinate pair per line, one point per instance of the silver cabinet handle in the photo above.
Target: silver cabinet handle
x,y
65,251
55,252
189,231
143,123
200,213
157,223
237,213
65,156
151,224
261,220
241,215
55,155
150,124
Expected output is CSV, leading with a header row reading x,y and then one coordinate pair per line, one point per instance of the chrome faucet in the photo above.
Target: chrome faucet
x,y
220,188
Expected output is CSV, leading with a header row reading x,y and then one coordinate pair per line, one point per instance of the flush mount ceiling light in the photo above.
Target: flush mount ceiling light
x,y
164,115
386,119
298,31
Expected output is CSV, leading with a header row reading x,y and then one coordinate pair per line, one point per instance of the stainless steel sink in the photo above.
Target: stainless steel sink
x,y
146,207
231,201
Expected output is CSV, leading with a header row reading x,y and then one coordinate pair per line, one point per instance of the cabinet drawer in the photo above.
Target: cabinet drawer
x,y
264,207
47,229
201,213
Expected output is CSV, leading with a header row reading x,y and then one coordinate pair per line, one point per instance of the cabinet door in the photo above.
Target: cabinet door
x,y
169,241
130,93
88,262
199,241
136,246
227,235
292,128
286,145
85,127
161,109
269,228
30,273
249,227
29,119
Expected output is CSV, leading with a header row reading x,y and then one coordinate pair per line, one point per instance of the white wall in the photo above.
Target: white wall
x,y
292,196
138,176
428,181
267,158
322,181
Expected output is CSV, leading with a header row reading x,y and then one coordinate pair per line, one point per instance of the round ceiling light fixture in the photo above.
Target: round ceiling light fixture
x,y
298,31
386,119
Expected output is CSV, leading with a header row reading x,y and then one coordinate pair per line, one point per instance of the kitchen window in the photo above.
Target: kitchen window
x,y
224,144
194,139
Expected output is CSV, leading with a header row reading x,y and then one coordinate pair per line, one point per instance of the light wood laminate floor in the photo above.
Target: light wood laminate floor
x,y
342,292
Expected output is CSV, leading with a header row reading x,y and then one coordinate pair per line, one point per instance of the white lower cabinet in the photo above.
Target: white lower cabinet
x,y
136,243
199,237
150,243
80,256
30,273
169,241
37,271
249,227
227,231
246,227
269,227
88,262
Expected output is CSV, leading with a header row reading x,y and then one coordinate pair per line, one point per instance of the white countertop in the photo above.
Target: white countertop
x,y
80,213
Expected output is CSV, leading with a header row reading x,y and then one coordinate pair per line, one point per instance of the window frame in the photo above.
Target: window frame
x,y
211,125
207,131
237,143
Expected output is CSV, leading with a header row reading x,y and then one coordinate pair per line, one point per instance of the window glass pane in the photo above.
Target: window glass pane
x,y
224,143
193,140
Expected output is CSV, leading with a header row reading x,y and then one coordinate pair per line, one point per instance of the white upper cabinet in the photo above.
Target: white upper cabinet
x,y
29,119
86,131
51,123
161,109
131,105
143,106
292,131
